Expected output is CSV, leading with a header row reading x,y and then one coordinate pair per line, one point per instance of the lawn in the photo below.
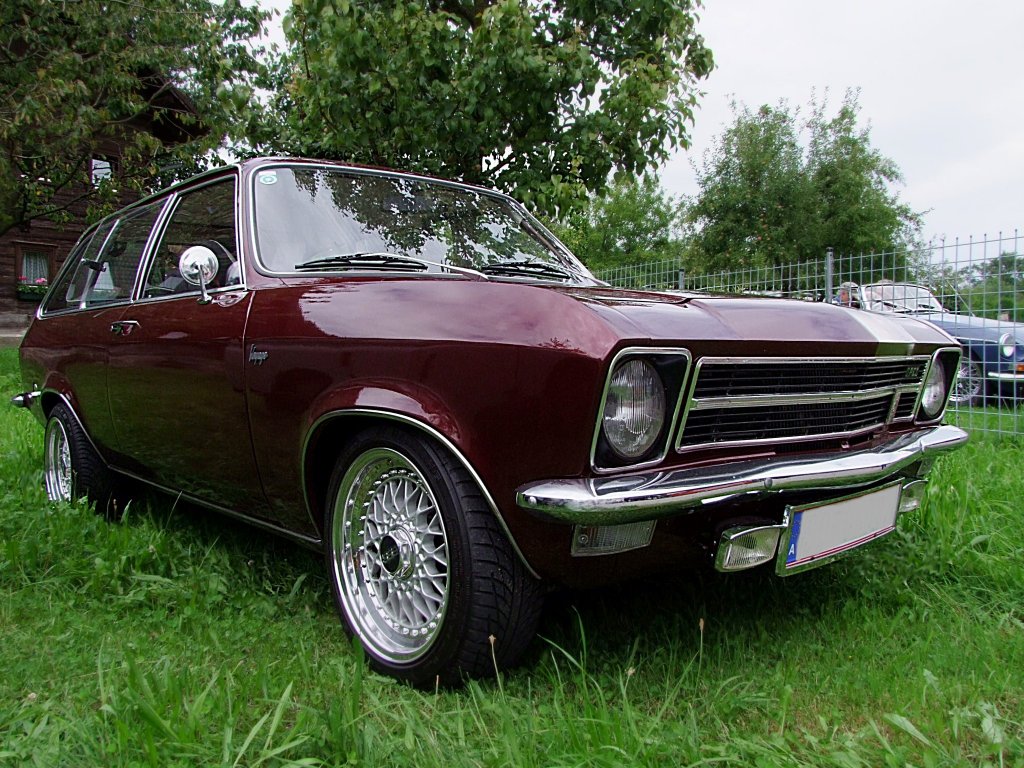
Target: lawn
x,y
178,638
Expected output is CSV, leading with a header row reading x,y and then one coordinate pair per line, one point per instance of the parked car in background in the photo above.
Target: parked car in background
x,y
992,365
415,378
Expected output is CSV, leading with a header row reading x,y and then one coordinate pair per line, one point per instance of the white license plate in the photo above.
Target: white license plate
x,y
819,532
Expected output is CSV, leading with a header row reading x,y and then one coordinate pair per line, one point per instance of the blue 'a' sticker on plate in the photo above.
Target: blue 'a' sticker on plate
x,y
794,535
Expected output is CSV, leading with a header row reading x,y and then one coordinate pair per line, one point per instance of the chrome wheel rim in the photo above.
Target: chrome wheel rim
x,y
967,385
57,462
390,556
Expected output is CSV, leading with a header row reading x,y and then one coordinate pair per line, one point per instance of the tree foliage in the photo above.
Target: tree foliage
x,y
80,76
767,197
995,287
635,222
544,98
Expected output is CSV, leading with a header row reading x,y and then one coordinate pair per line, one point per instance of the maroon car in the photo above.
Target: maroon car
x,y
416,378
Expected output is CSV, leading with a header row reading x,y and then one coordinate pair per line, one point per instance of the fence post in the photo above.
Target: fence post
x,y
682,279
829,273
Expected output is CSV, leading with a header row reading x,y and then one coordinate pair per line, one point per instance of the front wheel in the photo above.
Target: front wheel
x,y
421,571
969,384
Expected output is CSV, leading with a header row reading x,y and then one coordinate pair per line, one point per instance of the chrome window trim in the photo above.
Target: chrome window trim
x,y
140,268
120,217
670,428
741,401
80,247
160,228
147,251
434,433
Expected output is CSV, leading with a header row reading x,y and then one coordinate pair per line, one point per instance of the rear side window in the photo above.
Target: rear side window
x,y
70,285
105,273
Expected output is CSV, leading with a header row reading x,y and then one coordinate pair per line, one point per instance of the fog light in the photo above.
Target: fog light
x,y
741,548
608,539
911,496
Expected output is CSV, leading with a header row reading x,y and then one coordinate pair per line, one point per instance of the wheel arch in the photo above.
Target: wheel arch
x,y
329,433
51,398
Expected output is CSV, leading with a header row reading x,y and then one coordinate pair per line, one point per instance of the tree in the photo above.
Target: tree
x,y
635,222
79,77
544,98
995,287
765,199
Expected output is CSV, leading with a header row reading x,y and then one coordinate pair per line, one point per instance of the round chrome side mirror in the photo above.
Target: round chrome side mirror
x,y
198,265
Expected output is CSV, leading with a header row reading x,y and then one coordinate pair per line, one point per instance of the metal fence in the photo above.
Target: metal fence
x,y
972,288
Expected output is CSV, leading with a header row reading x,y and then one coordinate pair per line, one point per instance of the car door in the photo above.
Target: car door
x,y
89,295
176,383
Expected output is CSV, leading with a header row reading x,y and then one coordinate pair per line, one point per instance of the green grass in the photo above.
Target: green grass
x,y
998,420
177,638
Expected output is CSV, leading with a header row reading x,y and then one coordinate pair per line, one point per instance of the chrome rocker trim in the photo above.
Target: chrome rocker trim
x,y
648,495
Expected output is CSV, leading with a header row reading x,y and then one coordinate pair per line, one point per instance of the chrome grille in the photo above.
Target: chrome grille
x,y
766,401
725,379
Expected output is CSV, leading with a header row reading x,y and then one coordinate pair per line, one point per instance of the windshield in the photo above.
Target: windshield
x,y
899,297
320,219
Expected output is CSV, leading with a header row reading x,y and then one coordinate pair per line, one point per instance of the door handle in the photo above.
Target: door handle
x,y
123,327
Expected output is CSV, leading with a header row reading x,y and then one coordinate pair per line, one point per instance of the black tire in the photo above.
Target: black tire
x,y
968,385
71,467
429,583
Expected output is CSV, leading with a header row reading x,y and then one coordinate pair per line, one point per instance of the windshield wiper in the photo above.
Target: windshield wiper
x,y
379,260
382,261
527,268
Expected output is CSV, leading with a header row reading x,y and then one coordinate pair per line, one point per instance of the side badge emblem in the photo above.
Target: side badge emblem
x,y
257,358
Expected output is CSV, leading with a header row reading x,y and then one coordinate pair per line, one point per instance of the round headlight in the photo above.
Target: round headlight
x,y
634,410
934,396
1007,344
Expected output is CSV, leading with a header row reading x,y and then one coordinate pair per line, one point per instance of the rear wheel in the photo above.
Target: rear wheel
x,y
421,571
71,467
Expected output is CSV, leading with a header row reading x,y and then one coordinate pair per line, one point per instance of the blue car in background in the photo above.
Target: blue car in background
x,y
992,365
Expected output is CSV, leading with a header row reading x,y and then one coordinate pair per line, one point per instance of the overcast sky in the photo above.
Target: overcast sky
x,y
940,86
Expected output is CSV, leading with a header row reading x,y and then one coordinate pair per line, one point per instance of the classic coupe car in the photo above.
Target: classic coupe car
x,y
992,365
416,378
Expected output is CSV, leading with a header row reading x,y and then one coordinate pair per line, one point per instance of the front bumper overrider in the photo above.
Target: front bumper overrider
x,y
650,495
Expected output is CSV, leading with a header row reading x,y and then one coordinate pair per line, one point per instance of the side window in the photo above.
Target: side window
x,y
67,293
118,263
104,269
205,216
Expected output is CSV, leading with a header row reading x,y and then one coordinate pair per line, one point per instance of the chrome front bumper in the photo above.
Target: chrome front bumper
x,y
25,399
649,495
1005,376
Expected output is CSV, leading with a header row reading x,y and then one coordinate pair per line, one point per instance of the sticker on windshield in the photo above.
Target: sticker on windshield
x,y
267,177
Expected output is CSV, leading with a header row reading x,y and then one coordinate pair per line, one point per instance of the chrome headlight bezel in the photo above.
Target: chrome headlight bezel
x,y
938,381
665,370
1007,345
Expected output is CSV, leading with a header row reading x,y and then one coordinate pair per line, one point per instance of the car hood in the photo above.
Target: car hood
x,y
770,323
971,325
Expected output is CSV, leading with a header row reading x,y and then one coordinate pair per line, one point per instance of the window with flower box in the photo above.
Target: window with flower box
x,y
35,266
